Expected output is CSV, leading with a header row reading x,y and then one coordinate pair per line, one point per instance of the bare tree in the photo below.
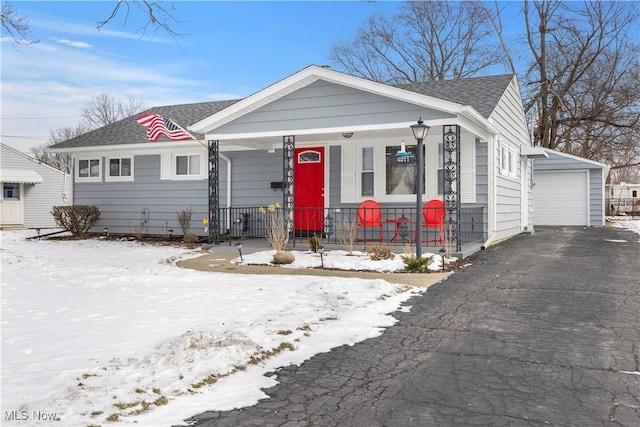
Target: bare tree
x,y
104,109
65,133
17,27
101,110
581,64
424,41
158,15
581,86
59,161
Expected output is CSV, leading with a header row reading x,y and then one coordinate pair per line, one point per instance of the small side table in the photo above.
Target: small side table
x,y
399,222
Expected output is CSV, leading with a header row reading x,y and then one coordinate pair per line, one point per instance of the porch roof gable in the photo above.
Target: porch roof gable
x,y
310,75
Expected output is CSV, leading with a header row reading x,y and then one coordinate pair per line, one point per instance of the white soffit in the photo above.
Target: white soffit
x,y
534,152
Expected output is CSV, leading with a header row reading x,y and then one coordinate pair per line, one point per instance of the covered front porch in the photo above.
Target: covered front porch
x,y
320,143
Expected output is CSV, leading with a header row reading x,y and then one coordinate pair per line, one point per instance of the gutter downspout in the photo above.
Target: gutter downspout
x,y
492,188
228,160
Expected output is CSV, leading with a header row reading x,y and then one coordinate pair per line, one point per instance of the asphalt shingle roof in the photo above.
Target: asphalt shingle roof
x,y
128,131
481,93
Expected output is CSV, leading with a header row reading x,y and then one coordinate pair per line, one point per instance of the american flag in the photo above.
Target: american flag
x,y
156,126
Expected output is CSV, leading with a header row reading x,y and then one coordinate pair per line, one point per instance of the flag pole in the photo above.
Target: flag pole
x,y
186,131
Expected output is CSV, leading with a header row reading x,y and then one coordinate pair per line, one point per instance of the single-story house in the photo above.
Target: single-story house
x,y
320,142
568,190
29,190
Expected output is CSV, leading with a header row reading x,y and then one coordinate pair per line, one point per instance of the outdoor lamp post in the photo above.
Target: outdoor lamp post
x,y
442,254
420,131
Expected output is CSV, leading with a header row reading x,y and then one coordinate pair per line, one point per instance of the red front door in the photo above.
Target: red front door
x,y
308,187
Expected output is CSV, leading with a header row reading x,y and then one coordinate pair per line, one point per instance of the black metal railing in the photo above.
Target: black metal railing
x,y
389,225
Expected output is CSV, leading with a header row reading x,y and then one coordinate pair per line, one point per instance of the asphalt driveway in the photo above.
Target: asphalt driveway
x,y
541,330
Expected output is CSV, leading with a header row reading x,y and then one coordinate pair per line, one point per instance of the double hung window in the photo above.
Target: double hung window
x,y
188,165
120,169
508,158
89,170
367,174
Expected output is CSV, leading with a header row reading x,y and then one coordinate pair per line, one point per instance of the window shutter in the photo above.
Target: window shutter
x,y
348,173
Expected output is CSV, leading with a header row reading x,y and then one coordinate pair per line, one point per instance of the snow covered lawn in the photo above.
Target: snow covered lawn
x,y
102,330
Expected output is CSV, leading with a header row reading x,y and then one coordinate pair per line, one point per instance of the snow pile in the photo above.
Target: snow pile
x,y
100,330
625,222
339,260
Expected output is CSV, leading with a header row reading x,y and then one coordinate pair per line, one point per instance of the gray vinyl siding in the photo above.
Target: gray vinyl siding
x,y
322,104
596,198
559,162
530,192
121,203
38,199
251,174
508,209
508,117
482,185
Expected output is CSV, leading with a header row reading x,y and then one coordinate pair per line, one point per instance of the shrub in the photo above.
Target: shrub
x,y
347,234
380,252
78,219
315,242
277,226
184,219
414,264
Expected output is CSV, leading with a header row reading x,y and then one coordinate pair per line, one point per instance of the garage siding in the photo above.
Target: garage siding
x,y
594,171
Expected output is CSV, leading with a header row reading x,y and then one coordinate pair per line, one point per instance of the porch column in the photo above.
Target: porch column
x,y
214,192
288,152
451,160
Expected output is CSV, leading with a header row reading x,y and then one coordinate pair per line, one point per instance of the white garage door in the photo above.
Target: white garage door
x,y
560,198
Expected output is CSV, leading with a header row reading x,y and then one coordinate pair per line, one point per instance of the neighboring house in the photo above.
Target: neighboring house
x,y
569,190
319,142
29,190
623,198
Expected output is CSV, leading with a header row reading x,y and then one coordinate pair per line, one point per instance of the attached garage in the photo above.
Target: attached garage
x,y
569,190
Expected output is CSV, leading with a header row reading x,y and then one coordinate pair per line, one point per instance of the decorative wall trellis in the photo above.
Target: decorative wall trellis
x,y
214,192
451,160
288,148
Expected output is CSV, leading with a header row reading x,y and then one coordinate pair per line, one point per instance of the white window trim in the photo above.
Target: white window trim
x,y
351,164
380,175
508,160
108,177
363,170
89,178
203,167
301,160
